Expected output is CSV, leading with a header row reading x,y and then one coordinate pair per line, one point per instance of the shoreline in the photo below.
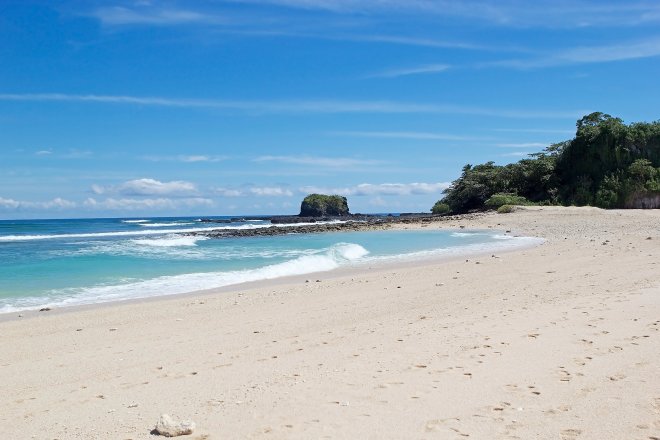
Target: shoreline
x,y
558,341
351,269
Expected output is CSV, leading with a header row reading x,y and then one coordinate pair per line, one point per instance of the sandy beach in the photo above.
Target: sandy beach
x,y
560,341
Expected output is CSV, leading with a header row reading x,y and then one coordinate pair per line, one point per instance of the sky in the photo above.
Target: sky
x,y
234,107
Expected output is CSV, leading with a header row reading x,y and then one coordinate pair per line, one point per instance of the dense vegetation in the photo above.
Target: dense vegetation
x,y
320,205
608,164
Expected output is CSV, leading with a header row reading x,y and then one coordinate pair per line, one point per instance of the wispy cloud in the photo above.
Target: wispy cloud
x,y
72,153
149,187
418,41
330,162
516,154
419,70
190,158
382,189
412,135
299,106
524,145
631,50
512,13
121,16
534,130
131,204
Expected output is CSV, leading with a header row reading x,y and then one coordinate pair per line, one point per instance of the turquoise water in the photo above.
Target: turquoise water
x,y
68,262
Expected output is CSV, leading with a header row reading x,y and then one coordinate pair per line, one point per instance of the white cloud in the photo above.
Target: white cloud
x,y
330,162
271,191
259,191
9,203
131,204
43,153
57,203
419,70
150,187
300,106
383,189
228,192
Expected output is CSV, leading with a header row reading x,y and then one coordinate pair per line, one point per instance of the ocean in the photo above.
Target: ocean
x,y
56,263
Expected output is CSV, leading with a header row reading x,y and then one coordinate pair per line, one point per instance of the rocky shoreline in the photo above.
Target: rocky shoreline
x,y
355,222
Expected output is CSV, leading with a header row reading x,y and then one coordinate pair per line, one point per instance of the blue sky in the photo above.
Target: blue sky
x,y
133,108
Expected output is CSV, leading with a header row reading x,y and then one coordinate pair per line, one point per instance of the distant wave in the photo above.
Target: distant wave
x,y
165,225
147,232
327,259
134,221
98,234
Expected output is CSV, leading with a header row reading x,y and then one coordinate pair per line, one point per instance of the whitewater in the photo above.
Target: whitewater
x,y
57,263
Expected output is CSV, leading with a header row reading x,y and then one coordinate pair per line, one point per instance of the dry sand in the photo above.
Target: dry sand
x,y
561,341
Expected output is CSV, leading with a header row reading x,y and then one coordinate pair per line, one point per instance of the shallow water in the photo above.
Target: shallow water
x,y
69,262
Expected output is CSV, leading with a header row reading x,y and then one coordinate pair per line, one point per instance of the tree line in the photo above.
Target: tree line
x,y
607,164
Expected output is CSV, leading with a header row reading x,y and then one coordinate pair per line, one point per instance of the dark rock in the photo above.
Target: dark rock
x,y
320,205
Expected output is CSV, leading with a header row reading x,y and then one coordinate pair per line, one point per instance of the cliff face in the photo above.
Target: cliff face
x,y
320,205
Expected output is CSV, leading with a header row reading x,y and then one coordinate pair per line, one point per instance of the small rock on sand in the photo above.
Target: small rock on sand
x,y
167,427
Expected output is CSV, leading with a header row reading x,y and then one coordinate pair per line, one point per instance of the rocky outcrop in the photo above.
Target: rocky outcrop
x,y
371,222
321,205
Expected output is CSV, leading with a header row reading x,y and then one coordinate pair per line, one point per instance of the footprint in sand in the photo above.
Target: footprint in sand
x,y
570,434
655,404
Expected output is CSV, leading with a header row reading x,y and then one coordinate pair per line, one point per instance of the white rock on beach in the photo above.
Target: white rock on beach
x,y
167,427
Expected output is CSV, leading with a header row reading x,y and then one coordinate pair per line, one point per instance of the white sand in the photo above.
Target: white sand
x,y
560,341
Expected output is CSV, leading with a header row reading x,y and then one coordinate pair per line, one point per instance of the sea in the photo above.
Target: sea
x,y
59,263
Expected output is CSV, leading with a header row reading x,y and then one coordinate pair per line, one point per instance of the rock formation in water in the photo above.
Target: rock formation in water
x,y
321,205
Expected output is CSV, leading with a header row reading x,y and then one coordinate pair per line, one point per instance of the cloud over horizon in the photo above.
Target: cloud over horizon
x,y
149,187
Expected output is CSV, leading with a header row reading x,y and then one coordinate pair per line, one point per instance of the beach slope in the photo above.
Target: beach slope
x,y
559,341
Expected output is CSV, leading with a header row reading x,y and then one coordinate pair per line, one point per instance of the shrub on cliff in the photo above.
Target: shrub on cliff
x,y
500,199
440,208
320,205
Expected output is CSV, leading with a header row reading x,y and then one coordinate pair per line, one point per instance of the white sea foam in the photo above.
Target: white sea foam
x,y
170,241
328,259
134,221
